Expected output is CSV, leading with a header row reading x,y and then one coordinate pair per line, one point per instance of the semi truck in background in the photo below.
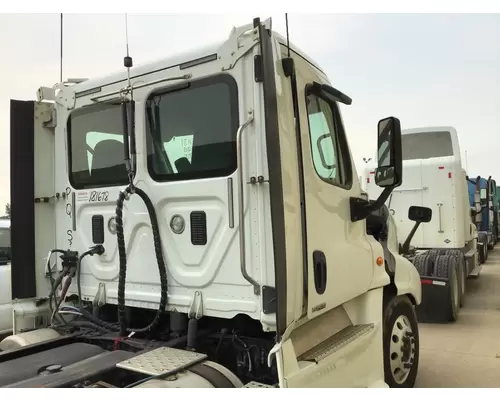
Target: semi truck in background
x,y
494,198
446,249
5,251
483,198
192,204
497,205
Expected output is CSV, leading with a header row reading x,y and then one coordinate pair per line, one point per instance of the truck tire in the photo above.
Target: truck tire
x,y
401,343
436,252
424,263
462,273
446,267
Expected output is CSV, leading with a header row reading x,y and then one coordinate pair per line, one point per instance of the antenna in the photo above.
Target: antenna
x,y
287,35
61,58
127,61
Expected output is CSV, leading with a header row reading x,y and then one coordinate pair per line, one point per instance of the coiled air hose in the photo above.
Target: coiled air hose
x,y
128,191
123,328
123,259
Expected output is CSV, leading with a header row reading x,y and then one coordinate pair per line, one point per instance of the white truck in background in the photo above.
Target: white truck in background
x,y
270,268
446,248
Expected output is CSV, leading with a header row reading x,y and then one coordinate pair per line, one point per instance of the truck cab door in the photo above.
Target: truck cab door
x,y
339,256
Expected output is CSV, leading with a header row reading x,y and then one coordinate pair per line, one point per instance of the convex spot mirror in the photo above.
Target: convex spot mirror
x,y
389,171
420,214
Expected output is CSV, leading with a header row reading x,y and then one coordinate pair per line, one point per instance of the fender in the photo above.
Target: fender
x,y
407,279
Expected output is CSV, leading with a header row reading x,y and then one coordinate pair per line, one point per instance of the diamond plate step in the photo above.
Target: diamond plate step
x,y
161,361
476,271
336,342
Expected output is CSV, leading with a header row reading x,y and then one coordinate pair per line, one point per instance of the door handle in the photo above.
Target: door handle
x,y
320,271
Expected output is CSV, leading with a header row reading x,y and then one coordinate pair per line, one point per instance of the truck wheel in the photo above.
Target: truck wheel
x,y
462,273
401,343
424,263
436,252
445,267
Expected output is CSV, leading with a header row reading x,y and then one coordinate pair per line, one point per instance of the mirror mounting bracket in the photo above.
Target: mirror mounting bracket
x,y
361,208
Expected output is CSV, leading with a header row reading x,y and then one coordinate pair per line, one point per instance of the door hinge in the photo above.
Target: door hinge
x,y
258,68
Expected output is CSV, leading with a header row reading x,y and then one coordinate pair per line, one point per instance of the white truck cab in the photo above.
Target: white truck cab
x,y
205,208
433,177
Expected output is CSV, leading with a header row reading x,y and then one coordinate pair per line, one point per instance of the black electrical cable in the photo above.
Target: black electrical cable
x,y
78,274
131,189
89,325
52,296
98,249
97,321
123,259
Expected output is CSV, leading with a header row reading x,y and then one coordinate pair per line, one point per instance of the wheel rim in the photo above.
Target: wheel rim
x,y
402,349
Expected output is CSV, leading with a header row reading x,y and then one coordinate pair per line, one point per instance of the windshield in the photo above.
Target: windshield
x,y
96,154
424,145
192,130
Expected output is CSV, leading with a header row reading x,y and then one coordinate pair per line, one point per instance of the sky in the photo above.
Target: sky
x,y
425,69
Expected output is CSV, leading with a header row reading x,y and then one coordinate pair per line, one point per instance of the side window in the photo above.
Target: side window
x,y
191,131
96,153
324,136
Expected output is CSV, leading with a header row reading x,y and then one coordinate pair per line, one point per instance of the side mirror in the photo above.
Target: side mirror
x,y
420,214
473,213
389,171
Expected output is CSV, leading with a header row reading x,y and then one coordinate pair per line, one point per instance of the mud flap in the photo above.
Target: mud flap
x,y
22,193
31,189
436,297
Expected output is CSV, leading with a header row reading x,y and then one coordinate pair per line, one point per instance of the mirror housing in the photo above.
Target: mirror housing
x,y
420,214
389,171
